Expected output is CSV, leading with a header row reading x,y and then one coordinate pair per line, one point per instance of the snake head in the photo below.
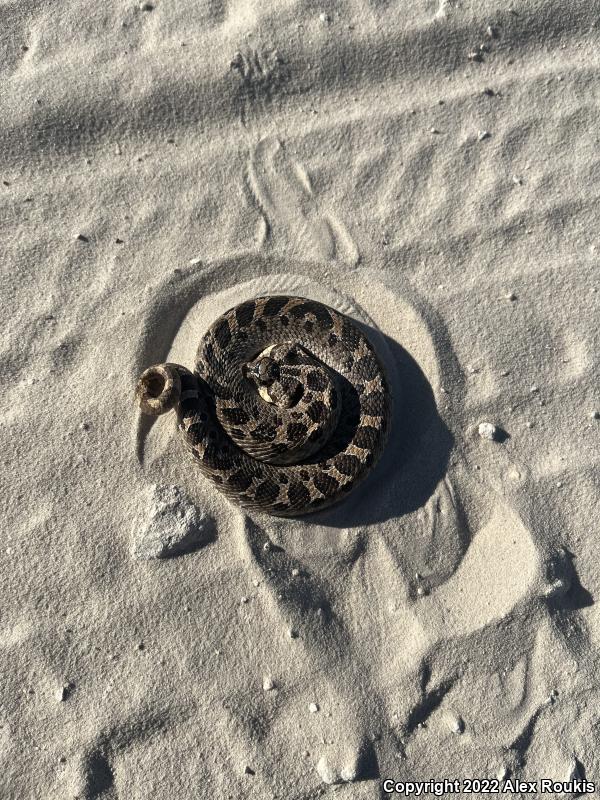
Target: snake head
x,y
264,371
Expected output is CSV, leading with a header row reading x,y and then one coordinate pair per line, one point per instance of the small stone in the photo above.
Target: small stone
x,y
173,525
490,92
518,180
491,32
483,135
559,484
475,55
502,774
511,296
505,373
141,646
534,389
349,774
324,18
295,572
293,634
119,241
268,685
256,582
327,773
64,692
595,414
146,7
244,599
529,424
195,261
248,770
62,760
433,130
421,591
487,430
81,238
313,708
573,771
267,546
455,723
84,426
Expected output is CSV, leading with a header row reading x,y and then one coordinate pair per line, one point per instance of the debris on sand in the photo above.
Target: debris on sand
x,y
488,430
173,525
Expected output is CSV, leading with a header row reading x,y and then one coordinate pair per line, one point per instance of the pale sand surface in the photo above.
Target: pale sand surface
x,y
443,616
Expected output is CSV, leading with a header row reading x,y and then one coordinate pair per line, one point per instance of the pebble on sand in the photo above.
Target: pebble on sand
x,y
173,525
573,771
313,708
63,692
331,775
511,296
455,723
81,238
483,135
268,684
487,430
595,414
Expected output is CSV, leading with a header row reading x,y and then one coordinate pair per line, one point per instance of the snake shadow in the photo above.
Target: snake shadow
x,y
416,455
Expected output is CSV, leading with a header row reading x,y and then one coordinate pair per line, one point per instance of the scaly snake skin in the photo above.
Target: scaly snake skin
x,y
288,408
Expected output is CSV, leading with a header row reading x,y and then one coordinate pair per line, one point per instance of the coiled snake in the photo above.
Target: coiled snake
x,y
288,407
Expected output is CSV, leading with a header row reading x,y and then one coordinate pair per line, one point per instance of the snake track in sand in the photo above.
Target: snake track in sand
x,y
287,409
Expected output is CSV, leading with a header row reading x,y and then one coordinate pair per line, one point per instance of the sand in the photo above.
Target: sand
x,y
429,168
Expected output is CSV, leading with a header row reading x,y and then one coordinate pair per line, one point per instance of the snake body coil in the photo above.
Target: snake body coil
x,y
287,409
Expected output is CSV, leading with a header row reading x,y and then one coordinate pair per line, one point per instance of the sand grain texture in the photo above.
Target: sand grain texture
x,y
437,180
